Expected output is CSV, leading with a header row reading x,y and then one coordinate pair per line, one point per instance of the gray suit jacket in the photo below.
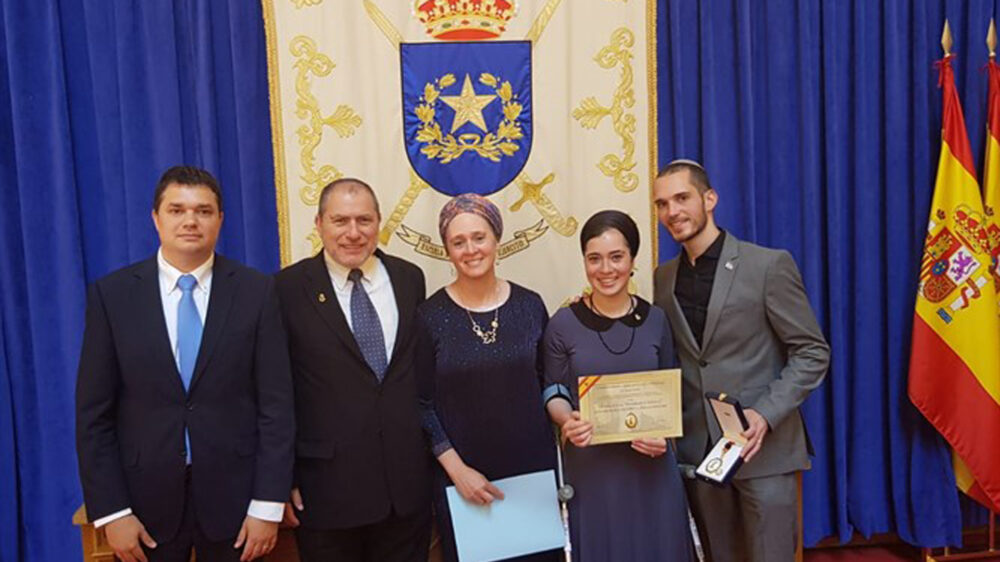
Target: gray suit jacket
x,y
762,345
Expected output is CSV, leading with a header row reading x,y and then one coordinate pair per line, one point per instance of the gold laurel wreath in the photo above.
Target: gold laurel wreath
x,y
446,147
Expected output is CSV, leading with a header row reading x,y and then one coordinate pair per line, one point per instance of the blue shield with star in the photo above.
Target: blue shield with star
x,y
467,113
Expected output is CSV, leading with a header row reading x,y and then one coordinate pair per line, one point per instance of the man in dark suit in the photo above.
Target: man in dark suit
x,y
184,394
361,468
743,326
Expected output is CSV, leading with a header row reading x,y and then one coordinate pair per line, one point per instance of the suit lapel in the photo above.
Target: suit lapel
x,y
148,307
405,305
674,311
321,294
220,300
725,272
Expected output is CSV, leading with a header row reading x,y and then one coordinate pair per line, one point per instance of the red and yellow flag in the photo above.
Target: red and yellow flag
x,y
991,181
955,357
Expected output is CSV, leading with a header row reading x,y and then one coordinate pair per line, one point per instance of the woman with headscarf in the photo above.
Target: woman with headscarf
x,y
479,369
629,502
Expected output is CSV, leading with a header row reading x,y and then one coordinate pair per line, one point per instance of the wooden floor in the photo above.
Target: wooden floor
x,y
888,548
893,553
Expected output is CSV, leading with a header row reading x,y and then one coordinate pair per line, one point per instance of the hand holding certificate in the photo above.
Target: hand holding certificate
x,y
632,406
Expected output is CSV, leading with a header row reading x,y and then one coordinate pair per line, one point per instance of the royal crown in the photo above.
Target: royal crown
x,y
465,20
970,226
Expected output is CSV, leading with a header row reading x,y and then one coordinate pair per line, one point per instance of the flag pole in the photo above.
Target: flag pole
x,y
990,552
991,44
991,39
946,40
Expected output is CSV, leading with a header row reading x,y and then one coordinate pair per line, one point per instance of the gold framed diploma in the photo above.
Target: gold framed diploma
x,y
632,405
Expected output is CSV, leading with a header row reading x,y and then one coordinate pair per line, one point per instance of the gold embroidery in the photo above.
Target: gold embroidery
x,y
299,4
315,242
383,23
522,239
652,113
343,121
542,20
402,207
277,135
424,245
590,113
468,108
532,192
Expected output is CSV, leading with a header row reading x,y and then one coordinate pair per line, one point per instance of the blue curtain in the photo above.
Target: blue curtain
x,y
96,100
819,123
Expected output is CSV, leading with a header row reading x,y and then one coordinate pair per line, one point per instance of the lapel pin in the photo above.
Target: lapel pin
x,y
730,265
322,297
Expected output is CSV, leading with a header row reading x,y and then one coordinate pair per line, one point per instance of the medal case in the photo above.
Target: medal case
x,y
724,459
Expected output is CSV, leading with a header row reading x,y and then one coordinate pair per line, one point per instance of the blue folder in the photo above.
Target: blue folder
x,y
527,520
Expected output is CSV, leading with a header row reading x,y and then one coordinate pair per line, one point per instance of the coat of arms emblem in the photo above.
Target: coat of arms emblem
x,y
952,273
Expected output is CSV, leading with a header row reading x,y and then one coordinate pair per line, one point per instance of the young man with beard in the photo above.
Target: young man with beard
x,y
743,326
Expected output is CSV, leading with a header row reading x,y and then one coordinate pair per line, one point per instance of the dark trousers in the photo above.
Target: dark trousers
x,y
190,536
394,539
751,519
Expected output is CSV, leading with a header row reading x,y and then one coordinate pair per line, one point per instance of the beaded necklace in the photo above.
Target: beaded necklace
x,y
631,338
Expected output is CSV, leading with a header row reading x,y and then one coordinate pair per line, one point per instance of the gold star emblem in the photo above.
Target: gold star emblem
x,y
468,106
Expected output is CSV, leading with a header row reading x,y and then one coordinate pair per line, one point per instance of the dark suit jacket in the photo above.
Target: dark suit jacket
x,y
132,409
360,450
761,345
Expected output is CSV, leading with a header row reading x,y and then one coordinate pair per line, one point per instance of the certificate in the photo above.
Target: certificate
x,y
632,406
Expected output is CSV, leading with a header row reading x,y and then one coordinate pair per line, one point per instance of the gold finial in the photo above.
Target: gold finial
x,y
946,41
991,38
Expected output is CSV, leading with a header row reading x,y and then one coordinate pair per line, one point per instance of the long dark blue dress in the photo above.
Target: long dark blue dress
x,y
627,506
484,399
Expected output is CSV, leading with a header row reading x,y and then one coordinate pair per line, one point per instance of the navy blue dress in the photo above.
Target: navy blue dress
x,y
484,400
627,506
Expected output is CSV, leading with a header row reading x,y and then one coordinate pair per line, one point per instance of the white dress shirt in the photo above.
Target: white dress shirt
x,y
376,282
170,297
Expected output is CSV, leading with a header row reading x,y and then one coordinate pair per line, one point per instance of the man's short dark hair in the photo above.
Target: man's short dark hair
x,y
696,173
346,183
186,175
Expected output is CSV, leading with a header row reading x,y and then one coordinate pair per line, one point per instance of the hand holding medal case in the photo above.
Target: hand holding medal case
x,y
724,459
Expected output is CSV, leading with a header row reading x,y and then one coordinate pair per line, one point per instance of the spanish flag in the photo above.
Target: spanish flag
x,y
955,357
991,182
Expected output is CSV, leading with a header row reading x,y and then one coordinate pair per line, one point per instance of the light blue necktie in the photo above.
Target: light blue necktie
x,y
189,330
367,328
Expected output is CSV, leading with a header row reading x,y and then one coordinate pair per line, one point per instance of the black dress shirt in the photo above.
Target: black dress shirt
x,y
694,285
